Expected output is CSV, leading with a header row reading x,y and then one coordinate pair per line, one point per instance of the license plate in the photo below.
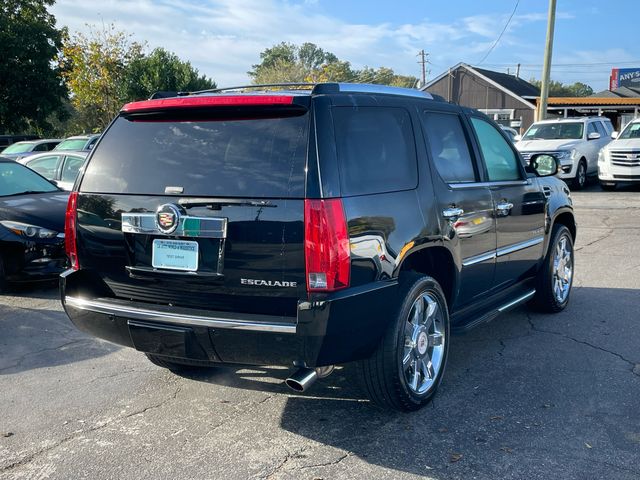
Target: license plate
x,y
175,255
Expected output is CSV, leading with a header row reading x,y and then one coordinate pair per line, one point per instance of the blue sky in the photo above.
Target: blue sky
x,y
223,38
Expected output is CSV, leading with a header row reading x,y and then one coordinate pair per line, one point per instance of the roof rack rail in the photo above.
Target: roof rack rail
x,y
167,94
327,88
293,86
371,88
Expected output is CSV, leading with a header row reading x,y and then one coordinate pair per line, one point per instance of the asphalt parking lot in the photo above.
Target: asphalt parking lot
x,y
527,396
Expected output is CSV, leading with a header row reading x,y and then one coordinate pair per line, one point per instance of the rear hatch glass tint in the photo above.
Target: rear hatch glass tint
x,y
230,157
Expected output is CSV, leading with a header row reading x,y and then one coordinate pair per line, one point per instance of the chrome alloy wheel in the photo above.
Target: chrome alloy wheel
x,y
562,269
424,344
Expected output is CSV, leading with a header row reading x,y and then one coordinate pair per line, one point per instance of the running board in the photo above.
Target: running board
x,y
493,313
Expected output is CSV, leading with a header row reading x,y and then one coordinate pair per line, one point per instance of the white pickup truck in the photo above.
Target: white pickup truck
x,y
575,142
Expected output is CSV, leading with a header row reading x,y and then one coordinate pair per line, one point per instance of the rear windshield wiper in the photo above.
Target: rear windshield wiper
x,y
217,204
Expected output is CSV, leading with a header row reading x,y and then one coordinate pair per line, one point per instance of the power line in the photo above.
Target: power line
x,y
501,33
635,62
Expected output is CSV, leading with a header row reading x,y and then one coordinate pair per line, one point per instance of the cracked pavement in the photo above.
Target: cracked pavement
x,y
526,396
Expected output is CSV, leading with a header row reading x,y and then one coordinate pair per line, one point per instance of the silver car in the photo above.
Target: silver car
x,y
59,167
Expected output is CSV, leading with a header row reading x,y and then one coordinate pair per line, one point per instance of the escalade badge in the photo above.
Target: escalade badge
x,y
167,218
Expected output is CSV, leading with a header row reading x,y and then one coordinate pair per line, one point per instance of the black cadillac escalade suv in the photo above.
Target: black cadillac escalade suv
x,y
308,228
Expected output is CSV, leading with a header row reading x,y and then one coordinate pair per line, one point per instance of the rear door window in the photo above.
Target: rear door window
x,y
448,147
45,166
376,149
255,158
71,168
601,130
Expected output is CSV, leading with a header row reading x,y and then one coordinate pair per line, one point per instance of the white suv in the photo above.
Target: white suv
x,y
619,161
575,142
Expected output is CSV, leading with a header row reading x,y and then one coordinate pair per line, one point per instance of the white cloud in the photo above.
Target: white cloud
x,y
223,38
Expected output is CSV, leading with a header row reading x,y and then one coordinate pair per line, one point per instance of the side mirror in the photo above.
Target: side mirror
x,y
544,165
593,136
614,135
517,138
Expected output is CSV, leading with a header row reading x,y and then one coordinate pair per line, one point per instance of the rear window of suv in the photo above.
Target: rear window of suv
x,y
257,158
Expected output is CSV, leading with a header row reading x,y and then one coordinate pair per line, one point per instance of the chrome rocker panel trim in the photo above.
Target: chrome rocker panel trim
x,y
483,257
138,313
519,246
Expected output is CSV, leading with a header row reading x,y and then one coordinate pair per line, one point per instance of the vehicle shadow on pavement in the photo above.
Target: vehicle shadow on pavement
x,y
32,339
342,384
42,290
524,395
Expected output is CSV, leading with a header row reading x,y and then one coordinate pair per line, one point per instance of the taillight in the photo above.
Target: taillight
x,y
70,224
326,245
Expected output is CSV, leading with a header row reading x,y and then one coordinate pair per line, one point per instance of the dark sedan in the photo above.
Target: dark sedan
x,y
32,214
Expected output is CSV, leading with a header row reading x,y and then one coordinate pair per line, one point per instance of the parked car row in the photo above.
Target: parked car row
x,y
586,147
28,146
35,177
575,142
19,150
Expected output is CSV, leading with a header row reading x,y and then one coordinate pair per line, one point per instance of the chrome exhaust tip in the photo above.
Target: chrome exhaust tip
x,y
302,379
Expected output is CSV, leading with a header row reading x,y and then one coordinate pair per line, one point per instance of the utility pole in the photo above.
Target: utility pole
x,y
423,60
546,68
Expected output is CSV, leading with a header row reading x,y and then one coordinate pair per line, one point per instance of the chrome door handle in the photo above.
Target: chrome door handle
x,y
504,206
452,212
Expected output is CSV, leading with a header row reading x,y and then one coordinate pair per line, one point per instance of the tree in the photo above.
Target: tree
x,y
580,89
558,89
286,63
94,67
289,63
32,93
385,76
162,71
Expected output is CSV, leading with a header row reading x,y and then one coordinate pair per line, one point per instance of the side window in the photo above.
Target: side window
x,y
71,167
601,130
448,147
45,166
41,148
499,158
376,149
591,128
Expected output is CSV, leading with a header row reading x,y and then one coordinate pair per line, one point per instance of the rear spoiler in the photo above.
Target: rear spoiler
x,y
204,101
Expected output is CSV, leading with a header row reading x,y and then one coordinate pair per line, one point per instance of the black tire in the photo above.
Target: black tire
x,y
608,187
178,365
545,299
383,376
580,180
